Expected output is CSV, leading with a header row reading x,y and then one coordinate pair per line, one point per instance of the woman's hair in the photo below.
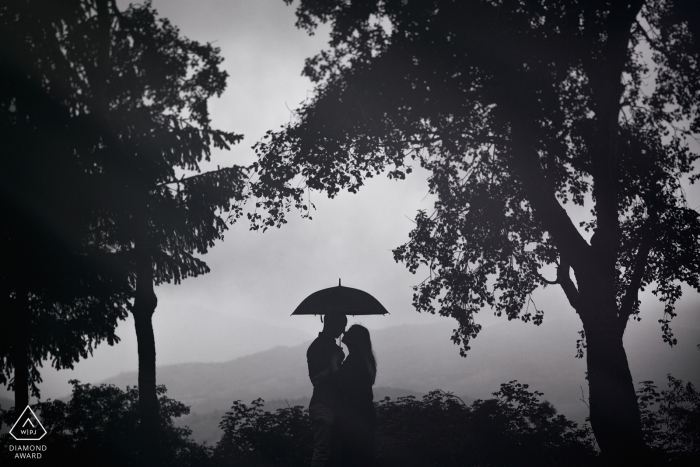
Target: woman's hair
x,y
358,337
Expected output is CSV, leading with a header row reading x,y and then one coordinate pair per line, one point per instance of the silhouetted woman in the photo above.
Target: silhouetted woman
x,y
355,379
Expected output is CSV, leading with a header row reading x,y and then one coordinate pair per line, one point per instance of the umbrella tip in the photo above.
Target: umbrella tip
x,y
339,282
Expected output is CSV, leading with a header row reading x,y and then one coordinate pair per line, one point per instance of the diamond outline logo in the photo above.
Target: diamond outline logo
x,y
28,419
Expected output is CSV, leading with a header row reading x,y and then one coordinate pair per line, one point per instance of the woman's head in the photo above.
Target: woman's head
x,y
357,340
357,337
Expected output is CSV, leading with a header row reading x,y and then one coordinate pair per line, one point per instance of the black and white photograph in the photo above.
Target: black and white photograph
x,y
350,233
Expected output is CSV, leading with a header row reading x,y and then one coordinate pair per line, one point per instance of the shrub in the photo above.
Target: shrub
x,y
437,430
514,428
253,437
671,420
100,426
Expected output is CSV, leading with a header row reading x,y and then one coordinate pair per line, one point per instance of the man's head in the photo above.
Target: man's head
x,y
334,324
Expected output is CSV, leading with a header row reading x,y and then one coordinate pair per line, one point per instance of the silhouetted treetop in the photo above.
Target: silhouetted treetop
x,y
62,289
147,90
443,82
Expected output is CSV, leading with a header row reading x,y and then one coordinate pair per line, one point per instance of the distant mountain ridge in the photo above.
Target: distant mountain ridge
x,y
415,359
420,358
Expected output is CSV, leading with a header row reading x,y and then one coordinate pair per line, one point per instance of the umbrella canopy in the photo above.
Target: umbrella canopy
x,y
345,300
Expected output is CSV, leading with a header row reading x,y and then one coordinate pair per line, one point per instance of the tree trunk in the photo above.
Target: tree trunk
x,y
148,399
614,413
145,302
20,351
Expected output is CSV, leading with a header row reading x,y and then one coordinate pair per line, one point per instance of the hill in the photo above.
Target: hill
x,y
415,359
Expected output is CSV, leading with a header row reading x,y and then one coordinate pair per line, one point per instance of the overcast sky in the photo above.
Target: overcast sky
x,y
257,279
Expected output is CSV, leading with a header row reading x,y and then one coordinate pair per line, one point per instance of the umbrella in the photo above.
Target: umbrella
x,y
340,299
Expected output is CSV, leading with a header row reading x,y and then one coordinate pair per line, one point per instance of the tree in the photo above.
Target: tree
x,y
119,98
518,109
62,292
146,91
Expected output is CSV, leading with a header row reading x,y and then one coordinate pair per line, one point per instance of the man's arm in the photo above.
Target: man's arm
x,y
320,371
322,377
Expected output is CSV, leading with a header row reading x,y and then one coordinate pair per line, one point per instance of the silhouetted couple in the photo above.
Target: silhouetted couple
x,y
342,407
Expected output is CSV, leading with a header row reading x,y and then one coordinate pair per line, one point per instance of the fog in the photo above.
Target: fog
x,y
257,279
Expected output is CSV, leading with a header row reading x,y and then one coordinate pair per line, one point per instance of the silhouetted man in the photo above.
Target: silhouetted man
x,y
324,357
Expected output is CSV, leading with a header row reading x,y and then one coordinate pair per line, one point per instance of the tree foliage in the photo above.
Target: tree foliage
x,y
151,130
671,418
62,289
100,425
435,82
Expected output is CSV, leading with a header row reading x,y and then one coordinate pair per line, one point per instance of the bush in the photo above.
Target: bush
x,y
514,428
253,437
100,426
438,430
671,420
